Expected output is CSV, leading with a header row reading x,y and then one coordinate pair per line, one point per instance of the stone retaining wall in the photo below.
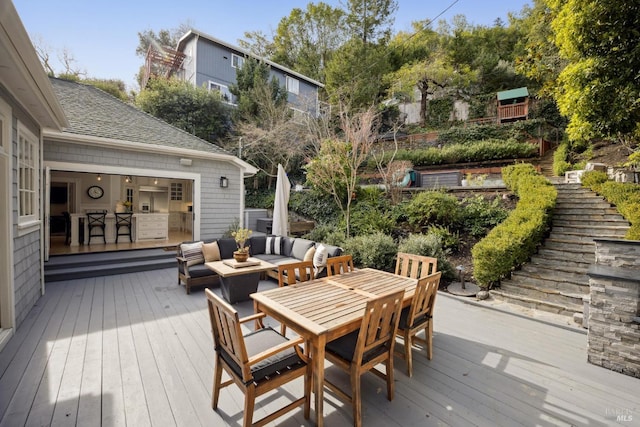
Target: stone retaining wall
x,y
614,309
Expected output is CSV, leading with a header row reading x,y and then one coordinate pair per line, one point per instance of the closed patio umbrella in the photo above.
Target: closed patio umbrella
x,y
280,225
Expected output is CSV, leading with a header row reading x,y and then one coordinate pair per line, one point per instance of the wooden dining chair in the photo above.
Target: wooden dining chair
x,y
292,273
339,264
415,266
417,317
257,363
295,272
360,351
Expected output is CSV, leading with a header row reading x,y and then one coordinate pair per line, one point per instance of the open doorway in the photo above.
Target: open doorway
x,y
61,203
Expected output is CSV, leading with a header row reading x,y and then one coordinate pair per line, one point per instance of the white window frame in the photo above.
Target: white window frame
x,y
293,85
223,89
237,61
28,179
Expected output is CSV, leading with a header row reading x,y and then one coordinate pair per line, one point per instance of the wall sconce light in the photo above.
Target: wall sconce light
x,y
99,178
155,181
127,178
224,182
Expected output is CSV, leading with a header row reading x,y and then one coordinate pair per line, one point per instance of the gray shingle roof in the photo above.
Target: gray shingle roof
x,y
93,112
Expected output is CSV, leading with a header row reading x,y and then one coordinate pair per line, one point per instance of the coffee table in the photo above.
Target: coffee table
x,y
239,280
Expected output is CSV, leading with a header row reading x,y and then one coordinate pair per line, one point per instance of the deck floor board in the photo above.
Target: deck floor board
x,y
135,350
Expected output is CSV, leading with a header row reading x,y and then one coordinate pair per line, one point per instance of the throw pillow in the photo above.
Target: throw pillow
x,y
274,245
320,258
211,252
310,253
192,252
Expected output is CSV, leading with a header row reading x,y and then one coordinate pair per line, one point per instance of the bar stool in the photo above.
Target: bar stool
x,y
67,228
96,223
123,220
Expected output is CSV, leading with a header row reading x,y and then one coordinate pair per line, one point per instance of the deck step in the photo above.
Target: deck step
x,y
80,266
563,309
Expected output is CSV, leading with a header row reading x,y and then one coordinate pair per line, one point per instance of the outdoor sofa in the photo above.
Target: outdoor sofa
x,y
277,250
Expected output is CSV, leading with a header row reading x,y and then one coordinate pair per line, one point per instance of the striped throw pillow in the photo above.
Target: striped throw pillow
x,y
274,245
192,252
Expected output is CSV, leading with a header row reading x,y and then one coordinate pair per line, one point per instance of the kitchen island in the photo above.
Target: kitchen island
x,y
146,226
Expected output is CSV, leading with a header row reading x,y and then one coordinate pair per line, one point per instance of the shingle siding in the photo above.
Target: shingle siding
x,y
26,246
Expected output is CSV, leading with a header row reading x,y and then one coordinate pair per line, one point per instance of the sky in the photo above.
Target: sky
x,y
102,35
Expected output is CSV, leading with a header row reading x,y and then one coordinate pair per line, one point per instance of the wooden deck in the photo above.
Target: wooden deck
x,y
135,350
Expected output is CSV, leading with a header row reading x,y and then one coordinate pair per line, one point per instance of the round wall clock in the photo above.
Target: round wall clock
x,y
95,192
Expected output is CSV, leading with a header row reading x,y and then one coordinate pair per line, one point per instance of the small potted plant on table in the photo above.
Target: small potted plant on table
x,y
241,235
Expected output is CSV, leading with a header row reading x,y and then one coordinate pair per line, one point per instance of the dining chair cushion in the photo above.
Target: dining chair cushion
x,y
404,315
300,248
345,347
192,252
211,252
259,341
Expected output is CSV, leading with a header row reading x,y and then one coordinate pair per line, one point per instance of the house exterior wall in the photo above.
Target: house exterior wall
x,y
27,255
213,62
214,205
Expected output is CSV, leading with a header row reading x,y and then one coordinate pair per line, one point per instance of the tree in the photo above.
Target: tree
x,y
307,39
427,67
355,75
371,21
165,38
257,43
539,59
269,132
335,168
598,90
195,110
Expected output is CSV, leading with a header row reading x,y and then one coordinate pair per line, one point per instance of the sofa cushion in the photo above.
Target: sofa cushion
x,y
333,250
257,245
273,245
308,256
192,252
287,245
211,252
300,248
227,247
200,270
274,259
320,257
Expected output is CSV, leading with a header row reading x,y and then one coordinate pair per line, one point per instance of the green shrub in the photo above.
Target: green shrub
x,y
479,215
560,160
513,241
376,250
433,208
330,234
624,195
450,239
591,179
314,205
260,199
367,219
491,149
428,245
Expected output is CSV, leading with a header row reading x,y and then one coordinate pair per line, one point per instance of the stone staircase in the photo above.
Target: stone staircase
x,y
555,279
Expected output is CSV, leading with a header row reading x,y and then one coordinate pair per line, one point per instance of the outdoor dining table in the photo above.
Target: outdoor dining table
x,y
322,310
